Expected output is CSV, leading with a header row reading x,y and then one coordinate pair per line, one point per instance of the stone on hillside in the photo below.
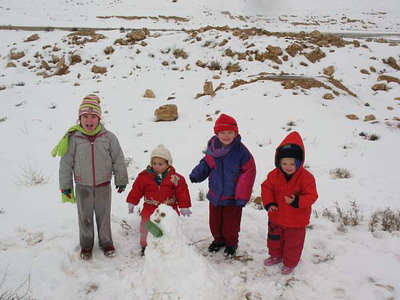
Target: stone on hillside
x,y
293,49
328,71
11,65
388,79
99,70
109,50
136,35
315,55
200,64
274,50
168,112
75,59
328,96
208,88
397,98
352,117
17,55
61,68
149,94
368,118
44,65
379,86
32,38
391,61
233,68
364,71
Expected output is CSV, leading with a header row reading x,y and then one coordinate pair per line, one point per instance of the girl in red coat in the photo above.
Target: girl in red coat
x,y
158,184
288,194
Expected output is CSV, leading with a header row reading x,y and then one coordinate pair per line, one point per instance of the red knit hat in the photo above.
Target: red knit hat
x,y
225,123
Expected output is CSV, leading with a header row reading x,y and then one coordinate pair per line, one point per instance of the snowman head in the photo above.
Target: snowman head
x,y
166,218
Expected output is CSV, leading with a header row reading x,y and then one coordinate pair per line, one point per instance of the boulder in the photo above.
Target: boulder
x,y
168,112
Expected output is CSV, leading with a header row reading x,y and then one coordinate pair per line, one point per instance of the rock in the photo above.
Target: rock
x,y
368,118
372,69
208,88
397,98
61,68
75,59
209,119
136,35
328,71
328,96
315,55
168,112
233,68
293,49
274,50
180,53
99,70
379,87
109,50
364,71
388,79
200,64
11,65
389,108
149,94
391,61
352,117
216,77
32,38
165,63
44,65
17,55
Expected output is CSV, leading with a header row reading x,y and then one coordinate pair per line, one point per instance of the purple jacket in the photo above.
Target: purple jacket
x,y
231,173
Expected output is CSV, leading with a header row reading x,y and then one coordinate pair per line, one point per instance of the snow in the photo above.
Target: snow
x,y
39,235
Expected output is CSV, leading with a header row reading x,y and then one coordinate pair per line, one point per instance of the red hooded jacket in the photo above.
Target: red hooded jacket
x,y
172,191
301,184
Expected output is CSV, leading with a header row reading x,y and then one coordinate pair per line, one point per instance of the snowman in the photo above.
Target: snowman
x,y
172,268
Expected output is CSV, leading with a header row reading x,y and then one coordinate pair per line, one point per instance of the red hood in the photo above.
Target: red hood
x,y
292,138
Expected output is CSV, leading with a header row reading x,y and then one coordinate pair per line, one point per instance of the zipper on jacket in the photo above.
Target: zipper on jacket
x,y
94,173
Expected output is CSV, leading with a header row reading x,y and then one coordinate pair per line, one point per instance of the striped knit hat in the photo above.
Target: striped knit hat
x,y
90,105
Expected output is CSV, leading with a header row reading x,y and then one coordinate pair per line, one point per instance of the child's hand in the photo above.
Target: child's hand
x,y
120,188
272,208
289,199
67,193
131,208
185,212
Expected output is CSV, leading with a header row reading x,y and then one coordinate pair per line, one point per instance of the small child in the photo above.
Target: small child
x,y
90,154
159,183
231,170
288,194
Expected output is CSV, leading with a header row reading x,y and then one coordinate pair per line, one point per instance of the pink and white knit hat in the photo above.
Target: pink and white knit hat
x,y
90,105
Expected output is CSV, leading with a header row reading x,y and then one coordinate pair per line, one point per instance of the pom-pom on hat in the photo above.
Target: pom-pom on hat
x,y
161,152
225,123
90,105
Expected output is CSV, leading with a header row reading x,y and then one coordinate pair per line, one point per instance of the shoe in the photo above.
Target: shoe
x,y
109,251
272,260
86,254
215,246
287,270
230,250
142,250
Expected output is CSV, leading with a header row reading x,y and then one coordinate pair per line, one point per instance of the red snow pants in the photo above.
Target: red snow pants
x,y
286,242
225,223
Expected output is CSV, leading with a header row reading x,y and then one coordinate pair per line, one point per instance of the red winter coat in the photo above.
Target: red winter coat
x,y
302,184
173,190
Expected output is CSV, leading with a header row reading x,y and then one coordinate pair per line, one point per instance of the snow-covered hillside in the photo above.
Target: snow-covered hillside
x,y
342,94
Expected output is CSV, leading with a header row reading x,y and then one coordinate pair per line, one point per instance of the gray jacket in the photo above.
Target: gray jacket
x,y
93,163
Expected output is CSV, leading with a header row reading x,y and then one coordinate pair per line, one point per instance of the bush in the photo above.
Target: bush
x,y
385,220
350,217
340,173
15,293
31,176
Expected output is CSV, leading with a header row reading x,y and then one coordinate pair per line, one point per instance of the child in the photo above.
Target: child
x,y
91,154
159,183
287,194
231,170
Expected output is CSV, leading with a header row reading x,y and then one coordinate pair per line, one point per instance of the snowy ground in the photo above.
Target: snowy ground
x,y
39,234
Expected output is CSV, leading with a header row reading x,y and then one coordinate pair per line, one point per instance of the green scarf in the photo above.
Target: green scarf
x,y
62,147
